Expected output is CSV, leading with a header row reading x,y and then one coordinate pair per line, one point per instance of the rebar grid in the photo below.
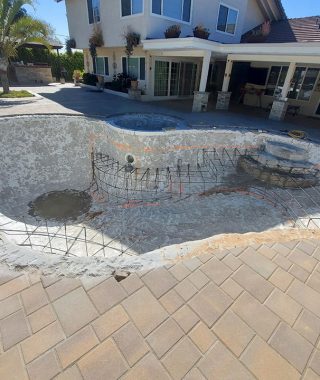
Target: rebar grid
x,y
124,186
65,239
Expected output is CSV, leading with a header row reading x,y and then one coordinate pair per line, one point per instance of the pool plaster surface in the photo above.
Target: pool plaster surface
x,y
238,306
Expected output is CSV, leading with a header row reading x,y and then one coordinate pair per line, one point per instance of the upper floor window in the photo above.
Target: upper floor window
x,y
175,9
131,7
93,11
227,19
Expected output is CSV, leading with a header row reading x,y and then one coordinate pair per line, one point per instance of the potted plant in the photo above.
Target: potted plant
x,y
173,31
201,32
77,76
134,83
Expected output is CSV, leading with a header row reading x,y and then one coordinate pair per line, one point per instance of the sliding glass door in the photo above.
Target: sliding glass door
x,y
175,78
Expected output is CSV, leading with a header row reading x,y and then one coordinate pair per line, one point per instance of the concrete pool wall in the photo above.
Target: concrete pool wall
x,y
42,153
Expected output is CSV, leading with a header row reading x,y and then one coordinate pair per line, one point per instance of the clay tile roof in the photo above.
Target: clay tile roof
x,y
305,29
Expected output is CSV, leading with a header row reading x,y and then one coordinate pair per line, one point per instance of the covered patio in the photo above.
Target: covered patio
x,y
297,78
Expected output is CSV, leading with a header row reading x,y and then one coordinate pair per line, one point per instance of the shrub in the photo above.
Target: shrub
x,y
121,82
90,79
69,62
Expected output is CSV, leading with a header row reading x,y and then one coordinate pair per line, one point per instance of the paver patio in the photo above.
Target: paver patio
x,y
232,314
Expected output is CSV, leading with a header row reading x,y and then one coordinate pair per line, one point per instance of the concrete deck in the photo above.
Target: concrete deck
x,y
57,98
243,313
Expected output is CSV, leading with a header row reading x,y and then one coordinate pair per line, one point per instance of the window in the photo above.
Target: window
x,y
135,67
93,11
175,9
303,82
131,7
227,19
102,65
276,80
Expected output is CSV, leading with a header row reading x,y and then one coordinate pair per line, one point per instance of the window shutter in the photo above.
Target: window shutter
x,y
90,11
94,64
106,66
142,68
124,65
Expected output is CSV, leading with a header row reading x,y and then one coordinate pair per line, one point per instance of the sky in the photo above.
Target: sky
x,y
55,13
301,8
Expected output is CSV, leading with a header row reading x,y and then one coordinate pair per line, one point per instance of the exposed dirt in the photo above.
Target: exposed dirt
x,y
229,241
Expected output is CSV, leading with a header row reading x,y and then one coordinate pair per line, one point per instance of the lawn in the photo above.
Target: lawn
x,y
16,94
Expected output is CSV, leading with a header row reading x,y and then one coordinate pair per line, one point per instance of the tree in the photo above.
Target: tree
x,y
17,28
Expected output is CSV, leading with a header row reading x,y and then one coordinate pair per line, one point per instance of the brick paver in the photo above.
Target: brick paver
x,y
219,363
165,337
232,331
34,298
291,346
244,313
266,363
74,311
41,318
131,343
13,329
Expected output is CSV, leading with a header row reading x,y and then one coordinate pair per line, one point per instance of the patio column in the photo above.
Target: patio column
x,y
224,95
201,97
280,105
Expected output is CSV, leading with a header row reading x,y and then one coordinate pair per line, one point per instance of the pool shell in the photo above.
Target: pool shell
x,y
40,154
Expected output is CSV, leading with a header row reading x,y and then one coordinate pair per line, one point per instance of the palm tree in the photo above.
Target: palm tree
x,y
17,28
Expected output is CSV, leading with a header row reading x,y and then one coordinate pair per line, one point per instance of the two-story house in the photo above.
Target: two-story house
x,y
254,53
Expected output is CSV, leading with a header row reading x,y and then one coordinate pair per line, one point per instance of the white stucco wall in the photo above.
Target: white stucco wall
x,y
253,16
204,12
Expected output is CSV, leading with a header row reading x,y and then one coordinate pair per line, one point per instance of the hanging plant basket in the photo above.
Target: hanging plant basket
x,y
201,32
96,38
132,40
173,31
